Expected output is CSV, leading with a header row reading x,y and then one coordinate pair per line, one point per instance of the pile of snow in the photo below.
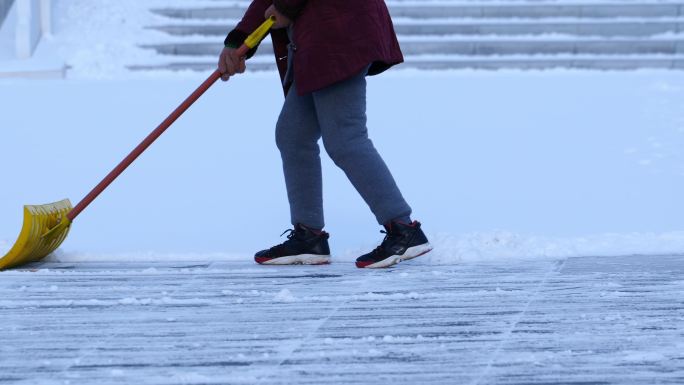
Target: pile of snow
x,y
285,296
448,249
100,39
505,245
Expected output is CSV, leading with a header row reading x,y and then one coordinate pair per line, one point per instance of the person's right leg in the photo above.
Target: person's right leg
x,y
297,135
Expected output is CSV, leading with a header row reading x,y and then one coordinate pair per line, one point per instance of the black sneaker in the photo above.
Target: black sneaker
x,y
402,242
303,247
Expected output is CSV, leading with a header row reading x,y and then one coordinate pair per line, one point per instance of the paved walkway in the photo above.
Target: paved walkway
x,y
577,321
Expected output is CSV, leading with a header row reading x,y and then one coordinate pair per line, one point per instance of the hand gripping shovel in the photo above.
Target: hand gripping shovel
x,y
46,226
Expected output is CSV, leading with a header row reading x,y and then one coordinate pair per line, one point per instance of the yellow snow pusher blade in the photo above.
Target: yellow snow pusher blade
x,y
45,228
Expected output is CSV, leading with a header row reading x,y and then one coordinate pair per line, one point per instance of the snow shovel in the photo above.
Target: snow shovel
x,y
46,226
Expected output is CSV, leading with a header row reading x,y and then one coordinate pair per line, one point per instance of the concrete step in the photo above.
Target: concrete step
x,y
538,62
472,34
477,47
577,27
479,10
541,62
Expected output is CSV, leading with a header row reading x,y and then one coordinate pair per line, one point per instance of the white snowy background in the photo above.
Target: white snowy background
x,y
511,173
506,164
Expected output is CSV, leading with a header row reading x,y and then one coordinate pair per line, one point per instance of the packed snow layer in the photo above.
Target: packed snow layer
x,y
587,320
495,164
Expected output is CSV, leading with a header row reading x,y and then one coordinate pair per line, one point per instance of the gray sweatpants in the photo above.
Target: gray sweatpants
x,y
337,114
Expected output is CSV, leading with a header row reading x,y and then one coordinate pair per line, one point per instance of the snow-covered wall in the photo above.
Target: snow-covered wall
x,y
23,24
4,9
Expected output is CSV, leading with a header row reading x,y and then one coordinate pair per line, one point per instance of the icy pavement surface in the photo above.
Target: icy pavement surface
x,y
582,320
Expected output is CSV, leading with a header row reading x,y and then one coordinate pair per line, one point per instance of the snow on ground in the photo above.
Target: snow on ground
x,y
496,164
588,320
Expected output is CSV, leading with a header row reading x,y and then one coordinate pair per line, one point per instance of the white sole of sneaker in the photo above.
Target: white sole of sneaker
x,y
411,252
302,259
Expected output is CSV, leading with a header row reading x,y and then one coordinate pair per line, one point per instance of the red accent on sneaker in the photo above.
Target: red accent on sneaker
x,y
388,225
412,224
362,264
317,232
261,260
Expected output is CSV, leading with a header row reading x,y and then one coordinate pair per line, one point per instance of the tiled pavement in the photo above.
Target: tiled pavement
x,y
589,320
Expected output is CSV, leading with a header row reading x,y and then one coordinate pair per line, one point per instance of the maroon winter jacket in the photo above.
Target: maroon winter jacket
x,y
335,39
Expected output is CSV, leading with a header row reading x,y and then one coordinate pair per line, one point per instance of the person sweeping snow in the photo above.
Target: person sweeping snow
x,y
324,51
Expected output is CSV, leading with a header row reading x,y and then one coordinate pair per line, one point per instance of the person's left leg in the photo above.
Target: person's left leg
x,y
341,111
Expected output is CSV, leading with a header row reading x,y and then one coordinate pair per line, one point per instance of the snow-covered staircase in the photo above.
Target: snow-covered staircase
x,y
471,34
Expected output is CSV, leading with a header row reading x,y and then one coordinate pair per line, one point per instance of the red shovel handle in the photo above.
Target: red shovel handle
x,y
242,51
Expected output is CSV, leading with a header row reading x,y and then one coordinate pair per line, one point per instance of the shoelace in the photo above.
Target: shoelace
x,y
291,235
381,248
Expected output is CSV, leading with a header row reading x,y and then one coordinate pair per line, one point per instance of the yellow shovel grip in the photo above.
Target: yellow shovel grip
x,y
256,36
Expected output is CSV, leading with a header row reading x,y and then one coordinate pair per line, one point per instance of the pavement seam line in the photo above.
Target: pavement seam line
x,y
558,266
287,353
